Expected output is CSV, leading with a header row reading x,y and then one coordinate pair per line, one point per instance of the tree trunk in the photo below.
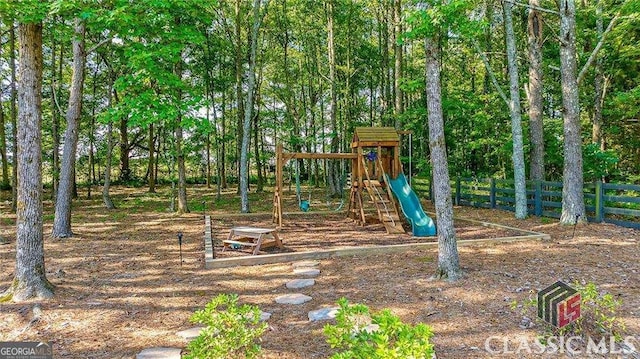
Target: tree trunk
x,y
222,170
208,150
106,197
30,279
92,137
182,175
256,147
536,128
14,118
596,129
5,184
56,81
182,178
489,15
125,171
397,19
152,149
248,112
239,95
573,209
520,184
62,220
332,170
3,152
448,260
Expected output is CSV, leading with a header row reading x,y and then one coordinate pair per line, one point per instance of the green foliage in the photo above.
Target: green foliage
x,y
230,330
27,11
437,15
356,334
598,163
598,315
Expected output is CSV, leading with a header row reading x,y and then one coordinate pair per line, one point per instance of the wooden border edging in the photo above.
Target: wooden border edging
x,y
211,263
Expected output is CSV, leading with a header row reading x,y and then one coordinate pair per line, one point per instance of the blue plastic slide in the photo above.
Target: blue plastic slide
x,y
421,224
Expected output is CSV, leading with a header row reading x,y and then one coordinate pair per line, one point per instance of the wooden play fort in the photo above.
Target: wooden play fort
x,y
376,176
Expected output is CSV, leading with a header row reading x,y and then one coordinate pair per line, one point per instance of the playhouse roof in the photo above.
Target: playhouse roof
x,y
375,136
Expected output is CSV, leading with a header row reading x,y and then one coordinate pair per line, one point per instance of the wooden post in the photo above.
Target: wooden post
x,y
397,166
492,193
278,190
599,202
538,198
457,191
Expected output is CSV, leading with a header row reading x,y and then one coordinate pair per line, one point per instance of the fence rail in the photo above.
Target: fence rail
x,y
604,202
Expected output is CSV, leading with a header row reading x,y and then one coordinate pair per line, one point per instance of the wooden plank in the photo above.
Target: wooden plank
x,y
354,251
628,224
627,187
622,211
319,156
625,199
248,244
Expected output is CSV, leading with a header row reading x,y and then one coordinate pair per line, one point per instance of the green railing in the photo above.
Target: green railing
x,y
604,202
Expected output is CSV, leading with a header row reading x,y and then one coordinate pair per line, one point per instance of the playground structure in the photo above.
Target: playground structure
x,y
375,169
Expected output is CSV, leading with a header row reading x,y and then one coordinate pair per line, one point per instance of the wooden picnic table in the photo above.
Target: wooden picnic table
x,y
255,237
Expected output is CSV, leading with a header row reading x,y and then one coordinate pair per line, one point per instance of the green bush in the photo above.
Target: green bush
x,y
230,331
362,335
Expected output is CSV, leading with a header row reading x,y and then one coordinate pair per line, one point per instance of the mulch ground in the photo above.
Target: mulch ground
x,y
319,231
120,286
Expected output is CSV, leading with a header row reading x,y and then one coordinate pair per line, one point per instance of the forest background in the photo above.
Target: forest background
x,y
165,88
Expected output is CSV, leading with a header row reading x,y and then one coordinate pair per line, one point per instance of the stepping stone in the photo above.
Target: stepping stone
x,y
295,298
300,283
190,334
323,314
311,272
159,353
264,316
306,264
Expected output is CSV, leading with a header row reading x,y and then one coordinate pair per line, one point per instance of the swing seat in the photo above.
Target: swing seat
x,y
305,205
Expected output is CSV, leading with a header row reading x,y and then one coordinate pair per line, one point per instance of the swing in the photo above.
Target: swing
x,y
304,204
343,180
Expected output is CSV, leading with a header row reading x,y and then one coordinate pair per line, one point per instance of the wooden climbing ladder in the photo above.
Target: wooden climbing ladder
x,y
382,198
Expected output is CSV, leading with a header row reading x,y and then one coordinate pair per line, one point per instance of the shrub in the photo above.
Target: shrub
x,y
362,335
230,331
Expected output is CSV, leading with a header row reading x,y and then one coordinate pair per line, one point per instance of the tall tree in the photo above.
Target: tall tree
x,y
4,184
515,111
448,260
249,105
426,27
183,206
62,220
14,117
598,86
3,150
534,37
106,186
30,280
150,168
332,168
573,209
397,49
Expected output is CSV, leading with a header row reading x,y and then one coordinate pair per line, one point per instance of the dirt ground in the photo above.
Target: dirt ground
x,y
120,286
319,231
